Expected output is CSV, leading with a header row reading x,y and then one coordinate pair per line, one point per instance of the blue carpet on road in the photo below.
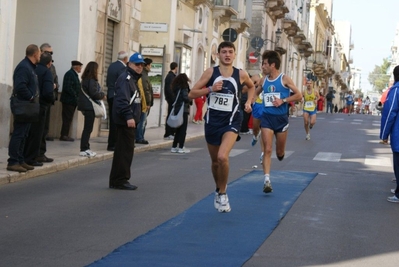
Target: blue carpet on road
x,y
201,236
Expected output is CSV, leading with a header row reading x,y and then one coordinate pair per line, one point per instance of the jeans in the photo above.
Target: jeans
x,y
396,171
330,107
17,143
87,129
140,129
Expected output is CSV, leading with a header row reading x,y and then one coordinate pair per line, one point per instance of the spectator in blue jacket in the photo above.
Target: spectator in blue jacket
x,y
390,127
25,88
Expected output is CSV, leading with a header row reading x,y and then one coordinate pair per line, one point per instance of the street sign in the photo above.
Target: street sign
x,y
252,58
257,42
229,35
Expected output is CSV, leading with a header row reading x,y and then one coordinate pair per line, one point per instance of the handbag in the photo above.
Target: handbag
x,y
99,109
175,121
24,110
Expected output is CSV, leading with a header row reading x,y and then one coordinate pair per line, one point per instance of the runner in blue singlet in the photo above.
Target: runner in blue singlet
x,y
274,122
223,118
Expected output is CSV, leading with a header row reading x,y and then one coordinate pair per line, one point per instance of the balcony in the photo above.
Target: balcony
x,y
200,2
223,11
299,37
290,27
276,9
304,46
240,25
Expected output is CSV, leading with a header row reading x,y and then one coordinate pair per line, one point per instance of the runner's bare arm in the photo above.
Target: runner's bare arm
x,y
197,90
251,89
297,95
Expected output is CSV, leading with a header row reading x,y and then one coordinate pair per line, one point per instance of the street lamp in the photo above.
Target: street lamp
x,y
257,42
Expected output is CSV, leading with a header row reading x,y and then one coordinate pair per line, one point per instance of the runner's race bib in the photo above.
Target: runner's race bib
x,y
309,104
221,102
268,98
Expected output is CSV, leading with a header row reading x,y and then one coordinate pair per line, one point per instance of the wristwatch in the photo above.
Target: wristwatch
x,y
284,100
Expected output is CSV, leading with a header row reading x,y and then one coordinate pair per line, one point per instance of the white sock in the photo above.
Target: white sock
x,y
267,177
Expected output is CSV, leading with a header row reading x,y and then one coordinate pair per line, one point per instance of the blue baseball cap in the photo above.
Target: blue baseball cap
x,y
136,58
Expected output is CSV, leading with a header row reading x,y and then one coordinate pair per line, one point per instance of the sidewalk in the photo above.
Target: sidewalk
x,y
66,154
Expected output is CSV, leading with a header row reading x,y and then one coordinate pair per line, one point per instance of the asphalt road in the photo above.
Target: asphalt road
x,y
71,218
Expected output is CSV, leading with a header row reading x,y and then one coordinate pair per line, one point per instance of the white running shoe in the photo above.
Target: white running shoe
x,y
224,205
216,201
183,150
308,137
393,191
174,149
261,158
88,153
267,187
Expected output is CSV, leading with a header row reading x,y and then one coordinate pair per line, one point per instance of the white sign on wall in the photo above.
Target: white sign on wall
x,y
152,51
153,27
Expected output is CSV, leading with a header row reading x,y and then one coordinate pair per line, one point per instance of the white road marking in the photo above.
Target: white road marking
x,y
328,156
377,161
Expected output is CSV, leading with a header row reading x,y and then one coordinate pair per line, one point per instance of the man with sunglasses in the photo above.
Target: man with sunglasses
x,y
126,113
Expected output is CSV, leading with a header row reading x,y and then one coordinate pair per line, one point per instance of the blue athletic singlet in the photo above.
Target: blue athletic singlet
x,y
224,106
274,89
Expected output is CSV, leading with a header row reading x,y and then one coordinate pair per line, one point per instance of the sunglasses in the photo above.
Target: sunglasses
x,y
139,64
49,52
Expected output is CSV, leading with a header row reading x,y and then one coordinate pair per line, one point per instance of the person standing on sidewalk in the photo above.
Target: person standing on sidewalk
x,y
329,97
91,88
69,98
223,118
147,101
126,112
275,87
181,89
46,99
114,70
169,97
310,97
25,87
390,128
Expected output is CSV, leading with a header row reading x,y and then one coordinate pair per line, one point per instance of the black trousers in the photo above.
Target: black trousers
x,y
181,132
112,127
43,144
87,129
67,116
35,135
123,155
168,130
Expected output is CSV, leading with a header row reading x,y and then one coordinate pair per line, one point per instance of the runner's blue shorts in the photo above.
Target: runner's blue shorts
x,y
277,123
214,134
310,112
257,110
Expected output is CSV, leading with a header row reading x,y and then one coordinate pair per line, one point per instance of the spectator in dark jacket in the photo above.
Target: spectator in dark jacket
x,y
25,88
181,88
46,99
126,112
169,97
92,89
114,70
69,98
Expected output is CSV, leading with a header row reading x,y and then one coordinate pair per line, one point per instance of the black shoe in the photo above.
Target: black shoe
x,y
144,142
66,138
34,163
48,138
44,159
125,186
111,148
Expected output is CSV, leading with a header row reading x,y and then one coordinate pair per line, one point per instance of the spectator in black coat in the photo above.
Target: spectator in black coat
x,y
169,97
92,88
46,99
25,88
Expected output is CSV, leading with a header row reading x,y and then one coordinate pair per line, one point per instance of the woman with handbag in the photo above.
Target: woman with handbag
x,y
181,88
90,89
